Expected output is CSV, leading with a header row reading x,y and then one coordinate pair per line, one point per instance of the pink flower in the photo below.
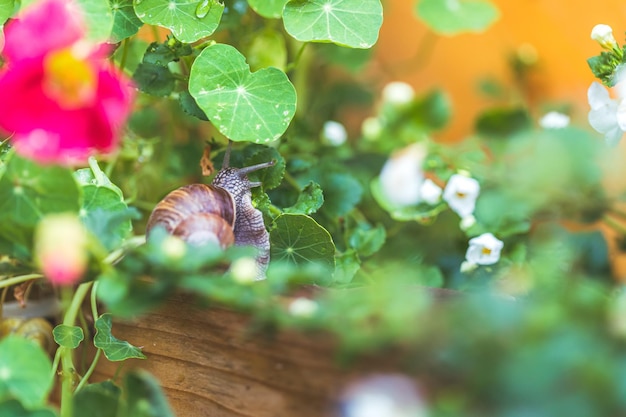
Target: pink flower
x,y
61,99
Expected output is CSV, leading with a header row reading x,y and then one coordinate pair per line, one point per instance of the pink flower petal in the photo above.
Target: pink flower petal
x,y
44,26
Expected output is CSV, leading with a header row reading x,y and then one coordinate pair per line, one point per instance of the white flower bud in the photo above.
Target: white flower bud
x,y
554,120
430,192
244,270
398,93
303,307
334,133
467,267
461,193
402,176
467,222
371,128
603,34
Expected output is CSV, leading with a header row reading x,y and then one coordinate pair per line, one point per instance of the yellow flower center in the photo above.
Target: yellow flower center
x,y
486,251
69,80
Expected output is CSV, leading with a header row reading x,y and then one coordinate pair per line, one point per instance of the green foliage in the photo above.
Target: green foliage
x,y
6,10
125,21
14,408
326,21
188,21
25,372
144,397
113,348
268,8
244,106
457,16
102,399
68,336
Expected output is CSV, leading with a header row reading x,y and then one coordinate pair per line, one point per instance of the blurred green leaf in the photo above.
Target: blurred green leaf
x,y
347,265
267,49
154,79
25,371
309,200
113,348
457,16
13,408
272,9
500,123
300,239
125,21
169,51
100,399
7,7
432,111
352,23
243,106
143,397
68,336
188,21
367,240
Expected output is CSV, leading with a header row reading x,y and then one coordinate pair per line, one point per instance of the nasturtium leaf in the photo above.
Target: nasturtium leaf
x,y
101,399
154,79
29,191
13,408
267,49
348,264
300,240
352,23
498,123
68,336
243,106
6,10
272,9
113,348
85,176
432,111
24,371
164,53
270,177
367,240
309,200
189,106
342,192
106,215
421,213
125,21
451,17
144,397
188,20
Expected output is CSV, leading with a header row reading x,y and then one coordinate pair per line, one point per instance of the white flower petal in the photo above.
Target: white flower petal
x,y
613,136
554,120
402,176
597,95
484,249
461,193
603,119
398,93
430,192
334,133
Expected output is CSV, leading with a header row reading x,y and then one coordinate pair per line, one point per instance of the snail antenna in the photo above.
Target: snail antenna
x,y
226,162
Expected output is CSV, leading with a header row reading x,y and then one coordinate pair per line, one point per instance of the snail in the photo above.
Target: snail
x,y
36,329
221,212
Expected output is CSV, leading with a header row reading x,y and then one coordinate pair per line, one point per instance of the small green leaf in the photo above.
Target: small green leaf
x,y
270,177
125,21
432,111
300,240
144,397
169,51
342,192
24,371
243,106
499,123
188,20
113,348
154,79
352,23
272,9
101,399
7,7
13,408
309,200
348,264
106,215
367,240
451,17
189,106
68,336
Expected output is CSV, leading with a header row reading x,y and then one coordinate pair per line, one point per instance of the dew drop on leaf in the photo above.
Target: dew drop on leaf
x,y
203,9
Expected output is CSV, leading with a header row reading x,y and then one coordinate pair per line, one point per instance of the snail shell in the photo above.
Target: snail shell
x,y
221,212
36,329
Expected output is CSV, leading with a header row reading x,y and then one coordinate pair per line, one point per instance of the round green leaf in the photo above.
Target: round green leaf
x,y
113,348
451,17
353,23
14,408
244,106
299,239
272,9
125,21
68,336
188,20
24,371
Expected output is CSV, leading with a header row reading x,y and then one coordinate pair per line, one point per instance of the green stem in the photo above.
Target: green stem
x,y
92,368
19,279
101,178
124,54
67,363
296,61
618,227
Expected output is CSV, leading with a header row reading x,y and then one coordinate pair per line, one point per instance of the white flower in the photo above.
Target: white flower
x,y
303,307
461,193
607,116
467,222
402,176
467,267
554,120
484,249
430,192
603,34
244,270
398,93
334,133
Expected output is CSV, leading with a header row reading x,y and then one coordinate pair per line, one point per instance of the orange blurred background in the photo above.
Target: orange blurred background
x,y
557,32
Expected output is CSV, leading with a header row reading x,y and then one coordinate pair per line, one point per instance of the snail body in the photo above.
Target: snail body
x,y
221,212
